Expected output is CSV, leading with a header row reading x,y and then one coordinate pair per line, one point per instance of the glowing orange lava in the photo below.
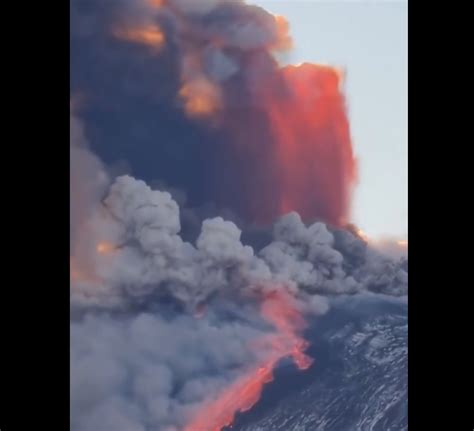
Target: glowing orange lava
x,y
315,164
278,309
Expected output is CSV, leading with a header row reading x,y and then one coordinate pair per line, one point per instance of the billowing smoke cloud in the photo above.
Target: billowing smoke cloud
x,y
146,372
141,369
167,323
190,91
88,178
134,236
138,364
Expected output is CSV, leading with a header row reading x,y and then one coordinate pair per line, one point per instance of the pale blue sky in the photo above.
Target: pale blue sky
x,y
368,39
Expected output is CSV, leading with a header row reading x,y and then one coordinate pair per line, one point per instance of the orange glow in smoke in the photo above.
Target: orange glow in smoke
x,y
402,243
315,164
362,235
278,309
83,270
200,98
81,274
284,41
156,3
150,35
75,273
105,248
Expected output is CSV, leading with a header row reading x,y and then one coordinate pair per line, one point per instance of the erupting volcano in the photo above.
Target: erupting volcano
x,y
278,309
189,140
201,100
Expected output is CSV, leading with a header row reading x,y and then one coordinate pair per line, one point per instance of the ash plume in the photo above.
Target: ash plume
x,y
172,308
190,91
144,253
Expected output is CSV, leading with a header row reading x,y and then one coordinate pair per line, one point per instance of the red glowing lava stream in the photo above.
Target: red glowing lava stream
x,y
278,309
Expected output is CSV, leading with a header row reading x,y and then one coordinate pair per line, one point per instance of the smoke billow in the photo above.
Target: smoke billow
x,y
88,177
135,249
168,325
148,372
138,367
190,91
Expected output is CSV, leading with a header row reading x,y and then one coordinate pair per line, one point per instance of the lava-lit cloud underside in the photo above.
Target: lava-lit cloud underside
x,y
315,165
279,310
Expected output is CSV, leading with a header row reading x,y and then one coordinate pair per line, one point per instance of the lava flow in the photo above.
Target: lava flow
x,y
278,309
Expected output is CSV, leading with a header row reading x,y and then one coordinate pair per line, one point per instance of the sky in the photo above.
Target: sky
x,y
368,39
